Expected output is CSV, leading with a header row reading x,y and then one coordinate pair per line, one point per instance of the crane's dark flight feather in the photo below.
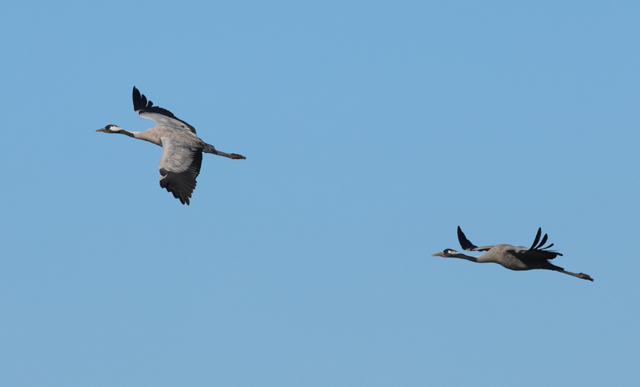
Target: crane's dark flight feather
x,y
535,241
181,185
543,241
464,242
140,105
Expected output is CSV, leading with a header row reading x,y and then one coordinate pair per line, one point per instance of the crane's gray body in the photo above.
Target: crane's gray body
x,y
512,257
505,255
181,148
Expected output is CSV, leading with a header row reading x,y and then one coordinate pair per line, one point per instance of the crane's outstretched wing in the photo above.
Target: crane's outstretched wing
x,y
157,114
536,251
467,245
179,167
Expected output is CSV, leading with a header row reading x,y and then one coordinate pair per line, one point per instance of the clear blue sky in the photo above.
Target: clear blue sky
x,y
371,130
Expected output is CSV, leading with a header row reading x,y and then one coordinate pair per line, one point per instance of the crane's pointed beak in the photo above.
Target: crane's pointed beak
x,y
101,130
440,254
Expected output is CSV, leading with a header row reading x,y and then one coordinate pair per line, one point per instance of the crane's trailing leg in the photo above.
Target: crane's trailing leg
x,y
579,275
208,148
233,156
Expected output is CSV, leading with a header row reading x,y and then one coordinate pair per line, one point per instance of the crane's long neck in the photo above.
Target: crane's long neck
x,y
128,133
464,256
146,135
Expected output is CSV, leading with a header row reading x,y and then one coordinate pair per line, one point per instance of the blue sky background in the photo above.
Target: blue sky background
x,y
371,130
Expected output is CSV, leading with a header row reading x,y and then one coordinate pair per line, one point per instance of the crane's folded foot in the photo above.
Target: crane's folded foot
x,y
236,156
585,276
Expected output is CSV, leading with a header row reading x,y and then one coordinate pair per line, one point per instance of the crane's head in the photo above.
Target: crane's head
x,y
447,253
110,129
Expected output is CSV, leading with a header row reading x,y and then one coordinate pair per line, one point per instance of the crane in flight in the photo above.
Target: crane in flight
x,y
181,147
512,257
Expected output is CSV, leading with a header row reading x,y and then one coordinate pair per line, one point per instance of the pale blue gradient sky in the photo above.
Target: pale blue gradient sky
x,y
371,130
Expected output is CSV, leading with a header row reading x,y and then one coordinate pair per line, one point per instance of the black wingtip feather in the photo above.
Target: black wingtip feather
x,y
535,241
139,100
543,241
140,105
464,242
539,246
